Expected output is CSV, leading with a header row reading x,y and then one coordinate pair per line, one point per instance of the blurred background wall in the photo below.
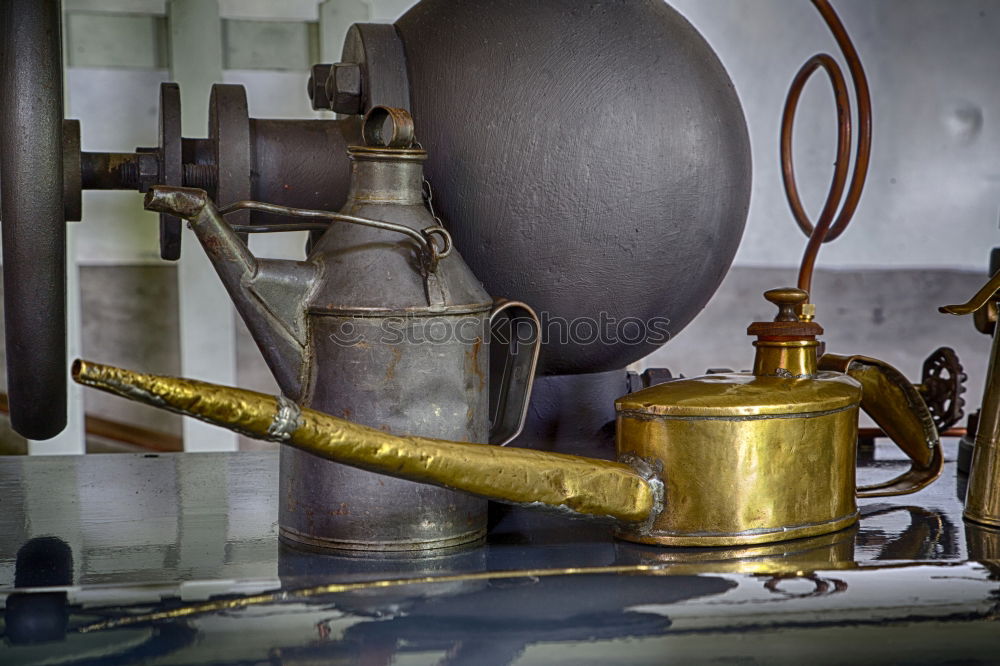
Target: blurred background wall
x,y
920,239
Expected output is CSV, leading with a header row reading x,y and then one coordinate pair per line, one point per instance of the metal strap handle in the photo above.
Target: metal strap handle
x,y
896,406
509,401
432,250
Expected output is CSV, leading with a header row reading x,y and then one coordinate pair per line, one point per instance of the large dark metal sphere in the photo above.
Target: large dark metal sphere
x,y
588,156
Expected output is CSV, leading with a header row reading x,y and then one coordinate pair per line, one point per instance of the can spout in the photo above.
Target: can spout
x,y
268,294
572,484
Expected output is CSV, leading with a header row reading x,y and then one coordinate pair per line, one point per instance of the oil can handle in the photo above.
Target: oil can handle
x,y
510,397
433,251
897,407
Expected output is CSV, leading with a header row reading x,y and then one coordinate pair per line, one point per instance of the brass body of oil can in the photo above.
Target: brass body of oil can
x,y
751,458
747,459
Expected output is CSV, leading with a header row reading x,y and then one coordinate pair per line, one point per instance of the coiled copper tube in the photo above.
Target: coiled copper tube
x,y
830,223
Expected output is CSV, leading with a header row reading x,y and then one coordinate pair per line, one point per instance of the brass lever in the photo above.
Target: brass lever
x,y
981,299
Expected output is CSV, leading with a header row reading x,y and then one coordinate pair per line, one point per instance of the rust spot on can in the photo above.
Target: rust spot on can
x,y
474,367
390,371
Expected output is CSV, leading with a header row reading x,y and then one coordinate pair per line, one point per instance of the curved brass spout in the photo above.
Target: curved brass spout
x,y
981,298
518,476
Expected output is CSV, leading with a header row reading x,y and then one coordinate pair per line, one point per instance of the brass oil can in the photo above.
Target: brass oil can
x,y
750,457
770,455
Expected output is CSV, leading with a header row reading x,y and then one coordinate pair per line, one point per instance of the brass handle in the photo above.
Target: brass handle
x,y
897,407
509,400
977,302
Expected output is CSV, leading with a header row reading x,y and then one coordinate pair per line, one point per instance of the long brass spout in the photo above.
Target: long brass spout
x,y
517,476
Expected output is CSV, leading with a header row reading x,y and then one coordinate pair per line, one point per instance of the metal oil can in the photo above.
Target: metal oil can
x,y
750,457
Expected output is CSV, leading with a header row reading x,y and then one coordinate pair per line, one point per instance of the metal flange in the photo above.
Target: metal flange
x,y
171,165
229,133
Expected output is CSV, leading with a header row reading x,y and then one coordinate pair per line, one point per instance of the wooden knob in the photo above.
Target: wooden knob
x,y
787,299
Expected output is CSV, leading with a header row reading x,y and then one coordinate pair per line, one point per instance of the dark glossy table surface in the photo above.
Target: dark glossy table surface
x,y
174,559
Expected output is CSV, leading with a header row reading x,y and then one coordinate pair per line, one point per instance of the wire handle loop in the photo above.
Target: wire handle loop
x,y
430,249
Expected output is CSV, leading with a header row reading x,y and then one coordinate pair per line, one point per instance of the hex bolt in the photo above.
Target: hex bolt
x,y
344,88
316,88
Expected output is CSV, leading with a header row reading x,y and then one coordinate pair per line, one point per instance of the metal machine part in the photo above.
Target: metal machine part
x,y
34,227
656,194
298,163
942,384
781,443
391,334
295,162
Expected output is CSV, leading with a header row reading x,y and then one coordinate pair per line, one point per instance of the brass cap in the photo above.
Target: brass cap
x,y
787,323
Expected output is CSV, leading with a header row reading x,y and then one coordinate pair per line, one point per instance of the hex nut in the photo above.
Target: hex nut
x,y
148,168
344,88
317,86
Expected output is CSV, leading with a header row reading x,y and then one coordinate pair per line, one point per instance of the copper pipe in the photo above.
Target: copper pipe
x,y
826,229
863,98
817,234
